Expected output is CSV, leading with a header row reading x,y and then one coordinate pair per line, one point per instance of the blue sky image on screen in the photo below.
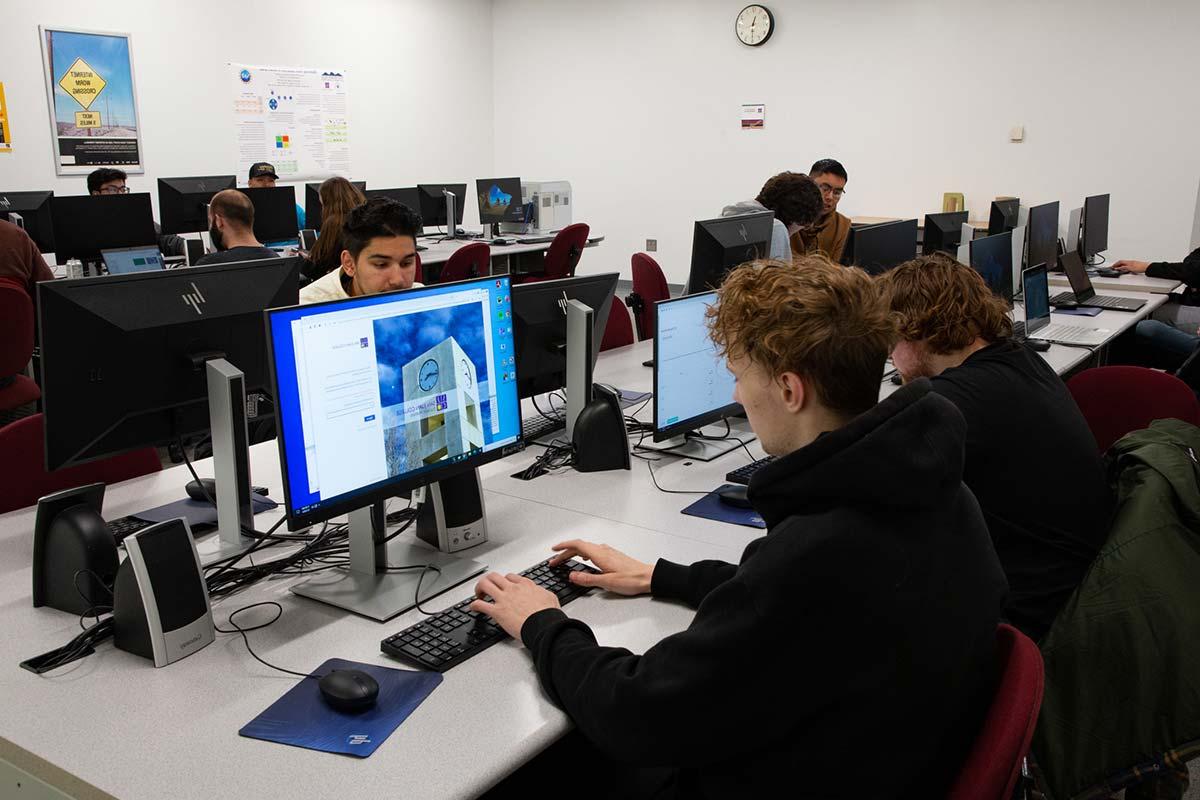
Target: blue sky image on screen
x,y
109,57
400,340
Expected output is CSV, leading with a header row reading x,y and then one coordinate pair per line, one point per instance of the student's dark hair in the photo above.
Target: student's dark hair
x,y
794,197
827,166
378,217
101,176
234,206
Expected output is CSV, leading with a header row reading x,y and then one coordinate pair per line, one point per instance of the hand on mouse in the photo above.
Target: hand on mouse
x,y
1125,265
515,599
618,572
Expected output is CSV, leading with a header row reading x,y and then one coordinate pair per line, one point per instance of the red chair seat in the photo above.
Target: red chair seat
x,y
20,392
618,330
650,286
1118,400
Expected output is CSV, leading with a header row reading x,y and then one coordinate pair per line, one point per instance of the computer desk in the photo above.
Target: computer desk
x,y
439,251
1128,282
113,725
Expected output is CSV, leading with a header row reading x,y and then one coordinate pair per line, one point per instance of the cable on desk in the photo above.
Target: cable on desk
x,y
670,491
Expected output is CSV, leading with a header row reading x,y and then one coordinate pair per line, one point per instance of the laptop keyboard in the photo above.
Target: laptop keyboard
x,y
1058,332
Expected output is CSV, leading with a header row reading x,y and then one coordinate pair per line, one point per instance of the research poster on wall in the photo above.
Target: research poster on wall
x,y
292,117
93,100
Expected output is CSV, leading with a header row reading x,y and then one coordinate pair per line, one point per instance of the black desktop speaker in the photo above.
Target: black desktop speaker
x,y
160,603
599,437
452,517
74,553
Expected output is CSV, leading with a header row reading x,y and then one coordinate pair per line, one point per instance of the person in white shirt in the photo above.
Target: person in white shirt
x,y
380,237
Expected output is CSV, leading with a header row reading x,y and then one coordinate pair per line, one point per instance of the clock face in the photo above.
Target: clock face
x,y
754,26
466,371
428,377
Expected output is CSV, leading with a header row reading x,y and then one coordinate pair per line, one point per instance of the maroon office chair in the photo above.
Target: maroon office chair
x,y
1118,400
23,475
563,254
649,287
618,330
468,261
16,346
994,763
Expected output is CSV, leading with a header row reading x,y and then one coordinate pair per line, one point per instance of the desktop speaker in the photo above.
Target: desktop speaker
x,y
599,438
453,518
193,251
74,553
160,602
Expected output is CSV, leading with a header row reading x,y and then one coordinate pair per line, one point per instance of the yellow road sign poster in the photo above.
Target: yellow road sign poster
x,y
87,119
5,131
81,82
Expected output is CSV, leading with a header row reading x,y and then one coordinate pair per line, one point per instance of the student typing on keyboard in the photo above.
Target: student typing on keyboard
x,y
867,613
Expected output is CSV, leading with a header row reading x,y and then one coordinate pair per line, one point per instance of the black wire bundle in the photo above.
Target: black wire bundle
x,y
558,455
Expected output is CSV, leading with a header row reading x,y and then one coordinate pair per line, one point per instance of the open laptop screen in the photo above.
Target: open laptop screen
x,y
1037,298
1081,284
124,260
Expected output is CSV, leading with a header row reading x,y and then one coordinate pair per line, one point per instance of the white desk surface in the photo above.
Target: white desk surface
x,y
1128,282
104,724
439,252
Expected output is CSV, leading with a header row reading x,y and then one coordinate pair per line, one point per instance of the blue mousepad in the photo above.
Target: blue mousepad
x,y
711,507
302,718
1079,312
197,513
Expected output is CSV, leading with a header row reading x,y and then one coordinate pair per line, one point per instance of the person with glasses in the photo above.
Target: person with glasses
x,y
829,234
109,181
796,201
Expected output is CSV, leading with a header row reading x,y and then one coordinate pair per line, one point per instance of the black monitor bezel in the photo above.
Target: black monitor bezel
x,y
856,233
40,212
293,234
136,204
432,200
1030,228
698,283
998,208
386,489
974,243
518,206
170,223
1087,245
661,434
1026,275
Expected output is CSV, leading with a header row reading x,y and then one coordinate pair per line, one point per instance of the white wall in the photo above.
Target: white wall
x,y
403,128
637,102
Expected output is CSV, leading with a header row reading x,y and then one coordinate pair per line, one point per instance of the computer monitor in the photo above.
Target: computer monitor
x,y
1003,216
407,196
1035,287
86,224
719,245
943,232
878,248
433,203
123,355
693,386
274,214
991,257
540,326
312,202
34,208
500,200
1093,233
125,260
183,202
1042,234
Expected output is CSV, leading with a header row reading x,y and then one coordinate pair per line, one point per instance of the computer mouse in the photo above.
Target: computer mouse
x,y
196,493
501,242
735,496
349,690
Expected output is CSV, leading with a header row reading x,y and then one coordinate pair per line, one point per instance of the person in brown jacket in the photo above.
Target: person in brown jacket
x,y
20,259
832,228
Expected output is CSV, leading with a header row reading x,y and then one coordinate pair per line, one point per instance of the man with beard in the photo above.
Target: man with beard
x,y
231,226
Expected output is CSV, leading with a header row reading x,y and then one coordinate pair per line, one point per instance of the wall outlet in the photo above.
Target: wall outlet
x,y
652,245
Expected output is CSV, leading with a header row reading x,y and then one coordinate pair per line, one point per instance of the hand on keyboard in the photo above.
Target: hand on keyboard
x,y
618,572
514,599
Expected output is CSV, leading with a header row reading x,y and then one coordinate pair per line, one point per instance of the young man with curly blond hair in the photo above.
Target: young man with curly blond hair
x,y
867,614
1030,456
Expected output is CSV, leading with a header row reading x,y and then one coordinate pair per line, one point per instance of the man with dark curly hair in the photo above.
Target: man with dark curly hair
x,y
1030,459
797,203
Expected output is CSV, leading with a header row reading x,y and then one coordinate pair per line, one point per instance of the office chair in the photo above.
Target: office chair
x,y
563,254
618,330
1117,400
23,475
468,261
16,346
649,286
994,762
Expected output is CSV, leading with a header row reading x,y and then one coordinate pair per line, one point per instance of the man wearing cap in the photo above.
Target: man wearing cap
x,y
262,176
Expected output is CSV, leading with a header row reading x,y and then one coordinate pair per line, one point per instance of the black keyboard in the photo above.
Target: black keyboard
x,y
535,240
450,637
125,526
742,475
1117,303
1067,298
539,426
1019,330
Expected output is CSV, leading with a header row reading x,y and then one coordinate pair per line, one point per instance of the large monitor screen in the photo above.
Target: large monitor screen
x,y
381,393
692,383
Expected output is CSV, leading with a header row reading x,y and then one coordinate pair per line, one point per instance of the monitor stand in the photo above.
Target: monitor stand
x,y
451,215
366,588
688,446
231,461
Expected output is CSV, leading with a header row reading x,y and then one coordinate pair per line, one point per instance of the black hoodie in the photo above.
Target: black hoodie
x,y
849,654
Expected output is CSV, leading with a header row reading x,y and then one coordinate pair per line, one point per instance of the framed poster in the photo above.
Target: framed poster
x,y
93,100
5,133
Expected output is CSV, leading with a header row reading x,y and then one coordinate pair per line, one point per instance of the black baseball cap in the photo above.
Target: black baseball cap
x,y
263,170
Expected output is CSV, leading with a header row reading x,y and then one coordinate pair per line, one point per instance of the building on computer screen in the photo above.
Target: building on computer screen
x,y
441,396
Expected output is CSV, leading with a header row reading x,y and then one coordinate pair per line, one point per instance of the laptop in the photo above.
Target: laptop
x,y
1082,293
124,260
1036,286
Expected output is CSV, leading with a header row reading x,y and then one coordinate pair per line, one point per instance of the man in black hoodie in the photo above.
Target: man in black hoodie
x,y
851,651
1174,333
